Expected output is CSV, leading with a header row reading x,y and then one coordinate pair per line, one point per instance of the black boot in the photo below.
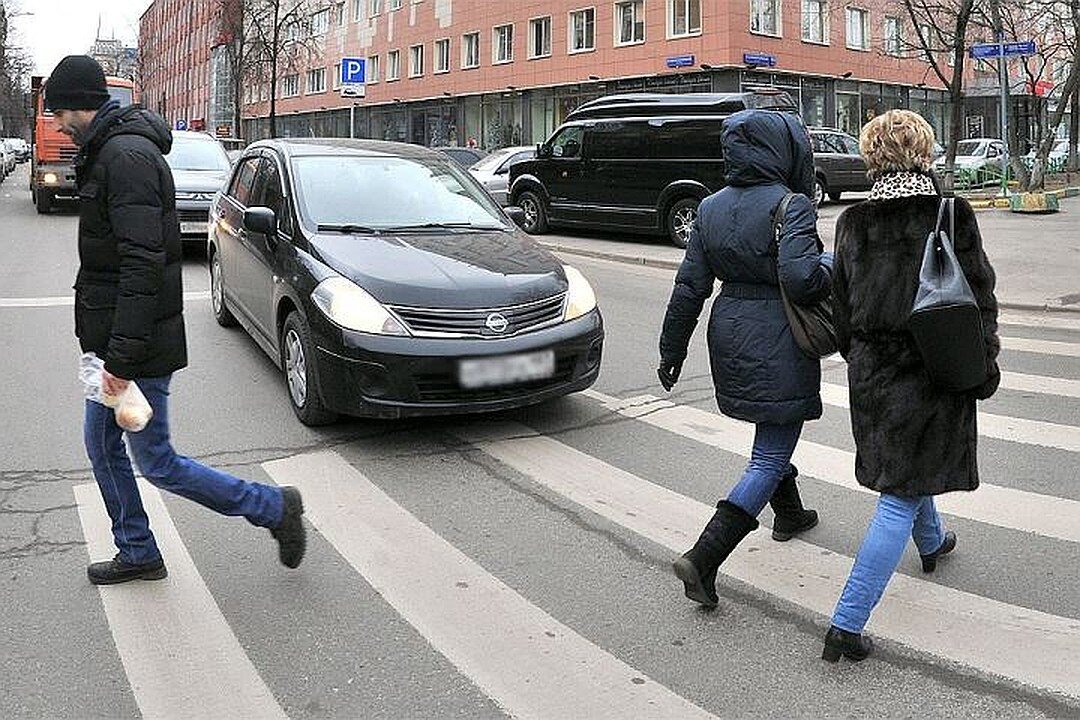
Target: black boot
x,y
697,567
929,562
111,572
851,645
790,516
290,533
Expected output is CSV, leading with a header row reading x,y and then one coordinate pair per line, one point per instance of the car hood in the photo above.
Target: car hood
x,y
445,270
199,180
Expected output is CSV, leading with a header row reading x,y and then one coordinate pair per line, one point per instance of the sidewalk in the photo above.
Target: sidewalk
x,y
1036,257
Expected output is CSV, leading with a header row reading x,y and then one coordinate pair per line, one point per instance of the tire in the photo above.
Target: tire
x,y
835,196
680,219
222,314
819,190
298,359
43,200
536,221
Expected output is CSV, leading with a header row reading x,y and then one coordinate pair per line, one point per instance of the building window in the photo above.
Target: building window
x,y
926,43
858,29
442,55
815,21
290,86
320,22
371,69
684,17
583,30
502,44
393,65
335,81
374,7
292,31
540,37
630,22
470,50
395,4
358,10
892,36
316,80
339,14
765,17
416,61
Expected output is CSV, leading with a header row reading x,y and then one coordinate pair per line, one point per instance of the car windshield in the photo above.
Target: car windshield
x,y
121,94
190,154
968,147
493,160
384,193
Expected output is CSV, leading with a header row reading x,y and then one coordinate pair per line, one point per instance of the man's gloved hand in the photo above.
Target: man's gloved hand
x,y
668,372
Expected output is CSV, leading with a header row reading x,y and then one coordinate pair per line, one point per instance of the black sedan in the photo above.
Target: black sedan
x,y
385,282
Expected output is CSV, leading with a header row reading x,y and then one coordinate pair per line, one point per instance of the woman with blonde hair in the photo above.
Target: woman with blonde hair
x,y
913,440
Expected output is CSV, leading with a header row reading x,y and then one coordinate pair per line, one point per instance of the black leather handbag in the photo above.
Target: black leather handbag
x,y
811,325
945,319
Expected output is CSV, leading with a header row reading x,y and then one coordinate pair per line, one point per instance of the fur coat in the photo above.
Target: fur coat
x,y
911,438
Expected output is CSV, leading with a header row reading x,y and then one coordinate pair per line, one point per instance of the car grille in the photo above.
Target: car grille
x,y
192,215
67,154
444,387
442,322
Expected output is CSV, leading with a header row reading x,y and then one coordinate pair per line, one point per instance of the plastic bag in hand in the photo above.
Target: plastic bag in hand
x,y
133,411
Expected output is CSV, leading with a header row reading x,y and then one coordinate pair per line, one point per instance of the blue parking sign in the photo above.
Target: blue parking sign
x,y
353,71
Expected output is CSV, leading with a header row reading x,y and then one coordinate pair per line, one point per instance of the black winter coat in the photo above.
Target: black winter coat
x,y
128,293
759,372
911,438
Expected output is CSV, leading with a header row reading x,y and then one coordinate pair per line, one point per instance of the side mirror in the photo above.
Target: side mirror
x,y
516,214
260,220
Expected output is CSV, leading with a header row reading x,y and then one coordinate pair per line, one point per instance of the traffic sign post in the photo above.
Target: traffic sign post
x,y
353,77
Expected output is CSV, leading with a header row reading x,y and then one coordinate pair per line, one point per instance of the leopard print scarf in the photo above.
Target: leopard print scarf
x,y
902,184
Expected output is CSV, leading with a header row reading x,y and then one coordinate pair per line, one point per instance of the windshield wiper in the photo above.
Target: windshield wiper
x,y
349,229
443,226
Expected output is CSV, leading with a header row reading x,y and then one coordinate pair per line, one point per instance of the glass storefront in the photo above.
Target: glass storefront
x,y
502,121
435,125
814,94
848,118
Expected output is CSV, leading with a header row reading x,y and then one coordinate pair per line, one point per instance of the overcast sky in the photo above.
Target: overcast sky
x,y
67,27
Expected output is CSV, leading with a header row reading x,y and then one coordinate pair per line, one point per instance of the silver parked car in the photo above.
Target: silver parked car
x,y
200,168
493,171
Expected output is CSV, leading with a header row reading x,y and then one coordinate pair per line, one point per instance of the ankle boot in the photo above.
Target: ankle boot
x,y
697,567
790,516
851,645
929,562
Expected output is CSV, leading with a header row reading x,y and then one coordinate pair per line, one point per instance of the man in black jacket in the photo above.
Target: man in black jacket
x,y
129,313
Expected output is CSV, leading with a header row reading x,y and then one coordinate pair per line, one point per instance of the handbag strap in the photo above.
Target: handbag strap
x,y
947,203
778,223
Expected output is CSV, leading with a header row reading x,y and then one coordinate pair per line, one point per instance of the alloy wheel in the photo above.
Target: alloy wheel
x,y
295,368
683,221
531,211
217,294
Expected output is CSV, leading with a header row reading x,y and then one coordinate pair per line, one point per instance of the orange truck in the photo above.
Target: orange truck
x,y
52,168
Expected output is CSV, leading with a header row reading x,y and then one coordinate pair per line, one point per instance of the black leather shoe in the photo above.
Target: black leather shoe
x,y
929,562
111,572
290,534
853,646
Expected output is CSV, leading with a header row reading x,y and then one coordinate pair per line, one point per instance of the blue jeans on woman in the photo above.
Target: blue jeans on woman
x,y
262,505
769,461
896,519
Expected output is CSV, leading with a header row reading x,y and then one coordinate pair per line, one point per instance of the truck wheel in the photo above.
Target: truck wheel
x,y
680,220
536,222
43,200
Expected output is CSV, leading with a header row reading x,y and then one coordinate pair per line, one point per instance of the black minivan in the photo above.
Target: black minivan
x,y
637,162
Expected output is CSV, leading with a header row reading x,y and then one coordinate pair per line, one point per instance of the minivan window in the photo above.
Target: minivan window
x,y
690,139
567,144
617,140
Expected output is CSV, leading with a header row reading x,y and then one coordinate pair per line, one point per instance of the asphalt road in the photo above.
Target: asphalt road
x,y
515,565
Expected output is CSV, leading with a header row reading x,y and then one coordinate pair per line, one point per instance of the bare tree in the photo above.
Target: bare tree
x,y
15,69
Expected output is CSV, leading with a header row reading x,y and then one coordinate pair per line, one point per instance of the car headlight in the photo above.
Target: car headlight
x,y
351,307
49,178
580,298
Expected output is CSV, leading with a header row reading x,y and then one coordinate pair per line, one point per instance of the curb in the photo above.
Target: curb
x,y
1003,203
673,265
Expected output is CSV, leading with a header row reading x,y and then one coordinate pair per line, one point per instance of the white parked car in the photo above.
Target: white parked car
x,y
1055,161
493,171
978,158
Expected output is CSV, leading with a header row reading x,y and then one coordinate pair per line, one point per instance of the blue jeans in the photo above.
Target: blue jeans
x,y
896,519
769,460
262,505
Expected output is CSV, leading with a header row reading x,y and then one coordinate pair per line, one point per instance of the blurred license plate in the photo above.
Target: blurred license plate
x,y
192,228
506,370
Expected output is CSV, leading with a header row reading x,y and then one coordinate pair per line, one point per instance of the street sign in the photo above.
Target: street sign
x,y
181,125
759,59
982,51
353,76
678,61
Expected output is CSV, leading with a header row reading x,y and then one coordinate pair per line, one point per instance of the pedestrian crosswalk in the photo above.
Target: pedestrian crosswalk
x,y
515,648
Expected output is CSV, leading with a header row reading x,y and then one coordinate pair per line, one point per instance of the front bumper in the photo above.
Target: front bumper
x,y
194,217
63,184
393,377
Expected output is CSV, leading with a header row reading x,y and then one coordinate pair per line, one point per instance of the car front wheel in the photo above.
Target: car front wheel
x,y
680,221
819,191
298,356
535,215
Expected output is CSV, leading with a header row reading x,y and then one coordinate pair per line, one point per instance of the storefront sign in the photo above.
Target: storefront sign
x,y
974,126
678,61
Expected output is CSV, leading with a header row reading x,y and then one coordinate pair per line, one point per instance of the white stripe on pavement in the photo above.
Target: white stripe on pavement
x,y
181,658
1041,347
531,665
1040,384
1029,646
1021,510
1000,427
1055,320
69,300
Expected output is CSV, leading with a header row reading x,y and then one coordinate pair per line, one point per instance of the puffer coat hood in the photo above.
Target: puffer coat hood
x,y
763,147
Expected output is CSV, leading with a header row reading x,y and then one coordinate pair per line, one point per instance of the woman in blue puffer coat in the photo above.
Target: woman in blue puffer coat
x,y
759,372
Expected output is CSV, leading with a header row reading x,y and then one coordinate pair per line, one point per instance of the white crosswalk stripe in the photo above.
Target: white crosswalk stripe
x,y
526,661
1041,347
178,651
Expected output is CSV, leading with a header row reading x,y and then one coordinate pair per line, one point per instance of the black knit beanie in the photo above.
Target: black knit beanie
x,y
77,83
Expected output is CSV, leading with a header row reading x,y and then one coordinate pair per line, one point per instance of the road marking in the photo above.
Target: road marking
x,y
181,658
69,300
1040,384
1029,646
1001,427
1042,347
526,661
1021,510
1058,321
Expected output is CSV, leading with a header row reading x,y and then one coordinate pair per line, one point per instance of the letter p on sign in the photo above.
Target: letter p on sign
x,y
352,71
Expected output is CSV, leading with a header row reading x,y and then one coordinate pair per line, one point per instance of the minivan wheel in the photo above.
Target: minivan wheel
x,y
680,221
819,191
298,356
43,200
535,216
222,313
